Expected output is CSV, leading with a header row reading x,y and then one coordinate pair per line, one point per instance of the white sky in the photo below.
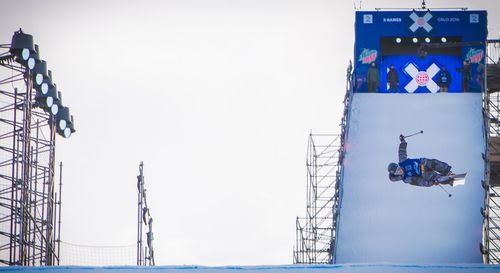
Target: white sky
x,y
216,97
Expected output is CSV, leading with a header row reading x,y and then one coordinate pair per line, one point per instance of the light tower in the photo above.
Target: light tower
x,y
29,200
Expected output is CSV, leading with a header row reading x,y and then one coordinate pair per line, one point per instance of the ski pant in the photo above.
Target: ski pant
x,y
465,86
433,170
372,87
393,87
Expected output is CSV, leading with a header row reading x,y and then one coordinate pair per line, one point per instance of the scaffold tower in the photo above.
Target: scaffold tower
x,y
315,233
145,252
491,210
29,198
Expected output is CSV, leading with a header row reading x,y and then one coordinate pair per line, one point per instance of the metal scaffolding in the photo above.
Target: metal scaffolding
x,y
491,106
145,253
316,233
29,201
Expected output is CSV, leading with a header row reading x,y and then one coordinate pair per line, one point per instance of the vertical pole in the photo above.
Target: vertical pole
x,y
308,200
43,256
35,212
54,230
13,204
35,177
17,204
25,205
296,252
24,169
314,222
31,213
59,223
140,189
50,202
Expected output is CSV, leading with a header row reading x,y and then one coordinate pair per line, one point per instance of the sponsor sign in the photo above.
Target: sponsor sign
x,y
368,56
475,55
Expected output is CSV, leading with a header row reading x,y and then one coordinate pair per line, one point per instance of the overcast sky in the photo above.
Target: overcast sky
x,y
216,97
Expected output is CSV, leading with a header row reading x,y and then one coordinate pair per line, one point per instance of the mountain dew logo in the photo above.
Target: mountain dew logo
x,y
368,56
475,55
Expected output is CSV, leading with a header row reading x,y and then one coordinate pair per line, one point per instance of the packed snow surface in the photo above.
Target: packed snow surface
x,y
384,221
347,268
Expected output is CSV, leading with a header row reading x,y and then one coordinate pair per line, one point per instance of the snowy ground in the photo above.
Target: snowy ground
x,y
382,221
348,268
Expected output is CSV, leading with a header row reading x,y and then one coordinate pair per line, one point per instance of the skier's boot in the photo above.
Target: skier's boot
x,y
446,180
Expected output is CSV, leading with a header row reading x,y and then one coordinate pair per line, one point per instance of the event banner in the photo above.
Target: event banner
x,y
420,51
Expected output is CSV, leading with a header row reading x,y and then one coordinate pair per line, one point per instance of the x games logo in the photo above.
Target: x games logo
x,y
421,78
420,22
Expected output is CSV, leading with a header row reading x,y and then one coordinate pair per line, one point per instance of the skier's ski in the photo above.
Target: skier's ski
x,y
453,180
458,179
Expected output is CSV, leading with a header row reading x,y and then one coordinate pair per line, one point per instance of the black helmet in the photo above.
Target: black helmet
x,y
392,167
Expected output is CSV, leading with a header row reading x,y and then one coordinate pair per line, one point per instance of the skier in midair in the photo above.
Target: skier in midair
x,y
422,172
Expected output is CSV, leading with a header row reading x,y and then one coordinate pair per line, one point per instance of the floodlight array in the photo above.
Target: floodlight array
x,y
47,97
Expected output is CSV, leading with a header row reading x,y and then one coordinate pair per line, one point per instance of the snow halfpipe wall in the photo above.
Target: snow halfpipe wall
x,y
384,221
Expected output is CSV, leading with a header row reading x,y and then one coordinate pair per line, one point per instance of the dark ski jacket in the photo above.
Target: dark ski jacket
x,y
392,77
466,73
444,78
373,75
